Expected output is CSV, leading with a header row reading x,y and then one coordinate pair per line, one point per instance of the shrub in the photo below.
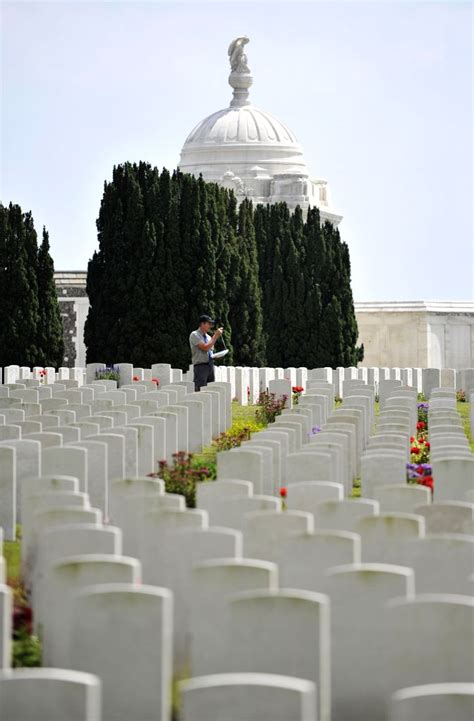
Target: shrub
x,y
232,439
269,407
182,476
239,432
26,647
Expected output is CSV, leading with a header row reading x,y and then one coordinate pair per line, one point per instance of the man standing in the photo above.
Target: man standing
x,y
201,350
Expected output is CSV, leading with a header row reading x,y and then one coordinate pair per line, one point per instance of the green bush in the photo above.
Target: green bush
x,y
26,649
238,433
181,477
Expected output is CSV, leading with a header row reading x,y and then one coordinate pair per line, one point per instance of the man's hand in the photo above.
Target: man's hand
x,y
219,332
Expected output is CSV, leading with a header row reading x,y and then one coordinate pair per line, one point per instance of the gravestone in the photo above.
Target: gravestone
x,y
248,697
95,645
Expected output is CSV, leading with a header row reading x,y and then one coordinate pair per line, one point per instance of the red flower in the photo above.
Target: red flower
x,y
156,381
427,481
427,444
414,449
135,378
420,424
297,389
283,492
412,439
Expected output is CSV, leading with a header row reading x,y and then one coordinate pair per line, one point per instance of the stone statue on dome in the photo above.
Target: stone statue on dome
x,y
237,57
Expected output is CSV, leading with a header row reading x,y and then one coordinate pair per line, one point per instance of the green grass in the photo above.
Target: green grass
x,y
245,414
12,555
241,416
463,410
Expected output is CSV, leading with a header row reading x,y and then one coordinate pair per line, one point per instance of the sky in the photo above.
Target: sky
x,y
379,94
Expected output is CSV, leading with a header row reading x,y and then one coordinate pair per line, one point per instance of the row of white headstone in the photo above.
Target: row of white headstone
x,y
363,605
247,383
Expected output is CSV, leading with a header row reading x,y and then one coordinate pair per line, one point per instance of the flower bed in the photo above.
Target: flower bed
x,y
419,470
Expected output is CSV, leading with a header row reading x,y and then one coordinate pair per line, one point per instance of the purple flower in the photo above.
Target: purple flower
x,y
314,430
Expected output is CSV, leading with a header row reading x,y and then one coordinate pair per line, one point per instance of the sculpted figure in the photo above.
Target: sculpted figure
x,y
237,57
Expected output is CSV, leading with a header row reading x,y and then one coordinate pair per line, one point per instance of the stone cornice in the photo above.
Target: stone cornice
x,y
415,306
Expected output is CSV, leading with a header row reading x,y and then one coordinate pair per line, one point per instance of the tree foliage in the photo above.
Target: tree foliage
x,y
30,322
172,246
50,326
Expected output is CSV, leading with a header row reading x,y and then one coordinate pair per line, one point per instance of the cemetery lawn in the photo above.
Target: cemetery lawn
x,y
242,417
11,553
463,410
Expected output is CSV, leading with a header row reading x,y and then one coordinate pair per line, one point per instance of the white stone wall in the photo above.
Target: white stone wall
x,y
82,309
417,334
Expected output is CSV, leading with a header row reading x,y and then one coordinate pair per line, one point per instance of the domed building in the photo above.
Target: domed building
x,y
248,150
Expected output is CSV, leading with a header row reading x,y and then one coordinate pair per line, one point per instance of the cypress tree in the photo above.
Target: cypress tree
x,y
181,242
106,271
128,281
352,353
331,351
299,325
312,258
172,247
50,326
18,288
226,252
338,330
246,307
275,288
113,316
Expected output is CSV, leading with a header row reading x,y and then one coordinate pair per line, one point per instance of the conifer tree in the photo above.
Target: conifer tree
x,y
226,253
353,354
172,247
299,324
331,350
50,327
18,288
246,307
311,258
107,273
275,287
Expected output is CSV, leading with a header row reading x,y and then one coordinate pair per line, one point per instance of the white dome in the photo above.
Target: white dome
x,y
252,152
239,138
241,125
